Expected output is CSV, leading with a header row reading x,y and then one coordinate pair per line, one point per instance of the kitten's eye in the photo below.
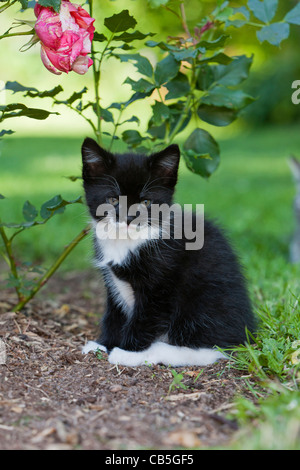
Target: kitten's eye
x,y
146,202
114,201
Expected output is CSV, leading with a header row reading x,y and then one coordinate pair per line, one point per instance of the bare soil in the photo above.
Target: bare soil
x,y
53,397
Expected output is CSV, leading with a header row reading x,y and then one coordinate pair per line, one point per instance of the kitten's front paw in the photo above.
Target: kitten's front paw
x,y
93,346
127,358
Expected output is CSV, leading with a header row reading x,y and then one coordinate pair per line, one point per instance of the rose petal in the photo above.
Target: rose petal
x,y
87,45
49,66
37,9
67,21
82,64
71,44
48,29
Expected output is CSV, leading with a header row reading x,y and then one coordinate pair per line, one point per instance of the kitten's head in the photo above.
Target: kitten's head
x,y
144,180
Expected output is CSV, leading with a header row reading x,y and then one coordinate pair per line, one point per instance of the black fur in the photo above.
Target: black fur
x,y
198,298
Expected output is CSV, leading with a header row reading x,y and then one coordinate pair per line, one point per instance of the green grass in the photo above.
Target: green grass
x,y
35,169
251,195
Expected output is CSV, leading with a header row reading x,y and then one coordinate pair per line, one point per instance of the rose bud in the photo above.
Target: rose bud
x,y
66,37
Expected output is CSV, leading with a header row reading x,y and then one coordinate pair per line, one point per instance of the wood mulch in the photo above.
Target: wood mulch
x,y
53,397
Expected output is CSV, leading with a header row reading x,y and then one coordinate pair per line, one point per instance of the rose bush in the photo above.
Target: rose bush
x,y
66,37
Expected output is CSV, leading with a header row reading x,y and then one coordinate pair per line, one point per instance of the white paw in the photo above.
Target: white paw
x,y
93,346
169,355
127,358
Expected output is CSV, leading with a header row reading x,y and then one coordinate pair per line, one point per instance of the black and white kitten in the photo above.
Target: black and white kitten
x,y
165,304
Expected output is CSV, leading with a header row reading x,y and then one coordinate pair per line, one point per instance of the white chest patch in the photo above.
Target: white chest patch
x,y
123,292
115,250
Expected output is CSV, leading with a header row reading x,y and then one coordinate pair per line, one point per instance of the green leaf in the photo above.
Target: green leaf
x,y
243,11
5,132
105,114
293,16
120,22
216,115
132,119
48,206
142,64
161,113
23,225
141,85
216,44
205,77
219,58
164,46
201,153
46,93
18,110
274,33
186,54
237,22
226,97
16,87
77,95
99,37
55,4
166,70
157,132
137,96
132,138
233,73
225,13
29,212
56,205
129,37
24,4
179,86
1,196
263,11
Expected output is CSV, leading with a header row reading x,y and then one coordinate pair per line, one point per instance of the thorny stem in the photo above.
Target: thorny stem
x,y
96,73
7,5
116,127
12,263
187,106
97,76
44,279
181,17
184,21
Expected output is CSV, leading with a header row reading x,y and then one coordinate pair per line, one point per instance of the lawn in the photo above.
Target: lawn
x,y
251,194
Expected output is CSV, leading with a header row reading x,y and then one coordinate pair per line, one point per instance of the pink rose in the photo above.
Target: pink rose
x,y
66,37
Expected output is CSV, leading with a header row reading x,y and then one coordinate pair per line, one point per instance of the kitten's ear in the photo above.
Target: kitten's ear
x,y
95,160
165,164
295,167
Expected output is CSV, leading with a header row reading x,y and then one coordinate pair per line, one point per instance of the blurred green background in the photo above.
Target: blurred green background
x,y
252,191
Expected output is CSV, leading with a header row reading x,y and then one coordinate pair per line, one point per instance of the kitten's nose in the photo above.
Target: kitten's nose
x,y
130,218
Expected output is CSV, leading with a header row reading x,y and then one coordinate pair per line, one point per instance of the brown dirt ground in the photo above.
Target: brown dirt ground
x,y
53,397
